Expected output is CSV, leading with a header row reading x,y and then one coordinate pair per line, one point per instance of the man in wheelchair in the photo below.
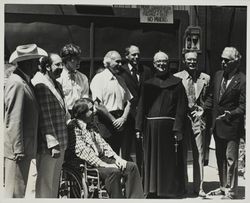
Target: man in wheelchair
x,y
88,145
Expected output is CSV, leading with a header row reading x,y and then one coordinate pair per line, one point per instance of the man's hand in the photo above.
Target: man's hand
x,y
198,112
121,163
118,123
138,135
55,152
19,157
178,135
226,116
105,165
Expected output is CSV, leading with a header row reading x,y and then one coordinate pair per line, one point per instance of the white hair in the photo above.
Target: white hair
x,y
160,53
108,57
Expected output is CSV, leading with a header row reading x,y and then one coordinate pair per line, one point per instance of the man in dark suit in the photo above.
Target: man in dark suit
x,y
229,103
134,74
21,119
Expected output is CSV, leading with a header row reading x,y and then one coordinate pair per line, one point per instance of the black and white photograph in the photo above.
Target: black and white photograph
x,y
124,100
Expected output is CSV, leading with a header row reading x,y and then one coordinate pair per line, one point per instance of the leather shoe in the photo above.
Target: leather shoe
x,y
216,192
229,197
202,193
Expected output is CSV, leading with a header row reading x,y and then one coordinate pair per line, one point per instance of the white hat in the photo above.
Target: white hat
x,y
27,52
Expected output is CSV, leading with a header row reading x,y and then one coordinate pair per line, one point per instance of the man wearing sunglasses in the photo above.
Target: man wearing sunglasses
x,y
229,104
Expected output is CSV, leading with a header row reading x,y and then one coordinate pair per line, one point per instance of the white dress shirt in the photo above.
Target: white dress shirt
x,y
106,88
73,88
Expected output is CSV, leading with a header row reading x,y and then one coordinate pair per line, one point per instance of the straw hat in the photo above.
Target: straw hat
x,y
27,52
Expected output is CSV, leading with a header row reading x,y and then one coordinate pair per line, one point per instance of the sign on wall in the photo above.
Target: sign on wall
x,y
156,14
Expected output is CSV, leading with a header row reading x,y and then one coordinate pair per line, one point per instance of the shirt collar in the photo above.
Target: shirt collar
x,y
82,124
107,74
27,78
130,66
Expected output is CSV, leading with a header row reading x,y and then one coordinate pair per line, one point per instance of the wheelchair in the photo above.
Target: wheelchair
x,y
79,180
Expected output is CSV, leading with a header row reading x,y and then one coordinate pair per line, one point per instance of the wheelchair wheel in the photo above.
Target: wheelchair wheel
x,y
72,184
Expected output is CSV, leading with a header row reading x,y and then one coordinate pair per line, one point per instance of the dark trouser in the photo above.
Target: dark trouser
x,y
121,139
227,160
112,177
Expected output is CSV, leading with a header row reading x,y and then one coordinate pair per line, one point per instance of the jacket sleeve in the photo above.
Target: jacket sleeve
x,y
181,110
14,103
46,123
241,109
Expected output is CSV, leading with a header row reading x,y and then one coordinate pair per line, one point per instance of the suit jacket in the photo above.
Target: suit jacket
x,y
134,87
53,114
201,95
202,86
21,117
233,100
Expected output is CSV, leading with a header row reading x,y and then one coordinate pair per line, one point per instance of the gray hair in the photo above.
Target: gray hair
x,y
108,57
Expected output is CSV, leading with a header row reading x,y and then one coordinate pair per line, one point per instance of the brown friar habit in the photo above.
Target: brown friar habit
x,y
162,111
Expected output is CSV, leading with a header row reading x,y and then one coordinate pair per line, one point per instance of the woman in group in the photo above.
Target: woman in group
x,y
161,118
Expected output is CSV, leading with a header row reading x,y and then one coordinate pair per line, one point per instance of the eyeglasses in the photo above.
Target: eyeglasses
x,y
226,60
118,61
161,61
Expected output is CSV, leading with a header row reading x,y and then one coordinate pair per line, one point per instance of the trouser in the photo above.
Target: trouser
x,y
197,143
112,177
48,175
16,177
227,160
118,140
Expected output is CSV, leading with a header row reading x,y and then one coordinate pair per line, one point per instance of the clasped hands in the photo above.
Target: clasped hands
x,y
119,163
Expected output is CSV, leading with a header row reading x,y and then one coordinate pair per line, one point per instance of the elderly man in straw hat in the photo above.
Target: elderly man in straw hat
x,y
21,119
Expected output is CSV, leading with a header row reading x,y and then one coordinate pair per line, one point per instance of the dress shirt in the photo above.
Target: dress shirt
x,y
112,94
130,68
89,145
228,81
75,87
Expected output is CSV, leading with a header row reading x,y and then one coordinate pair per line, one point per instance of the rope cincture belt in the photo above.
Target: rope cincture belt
x,y
160,117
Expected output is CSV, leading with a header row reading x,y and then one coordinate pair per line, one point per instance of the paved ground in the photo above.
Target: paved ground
x,y
211,182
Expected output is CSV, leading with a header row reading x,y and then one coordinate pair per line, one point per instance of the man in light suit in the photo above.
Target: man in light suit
x,y
196,85
134,74
21,119
53,136
229,106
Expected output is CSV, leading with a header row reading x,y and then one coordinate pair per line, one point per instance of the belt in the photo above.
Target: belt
x,y
160,117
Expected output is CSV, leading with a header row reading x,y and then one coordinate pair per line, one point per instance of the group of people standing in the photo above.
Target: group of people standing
x,y
55,110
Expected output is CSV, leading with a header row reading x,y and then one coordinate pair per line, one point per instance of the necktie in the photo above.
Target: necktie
x,y
191,93
223,87
72,74
134,75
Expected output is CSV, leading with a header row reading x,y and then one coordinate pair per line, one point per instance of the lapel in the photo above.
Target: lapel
x,y
27,85
128,75
40,78
56,93
218,85
200,85
232,84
